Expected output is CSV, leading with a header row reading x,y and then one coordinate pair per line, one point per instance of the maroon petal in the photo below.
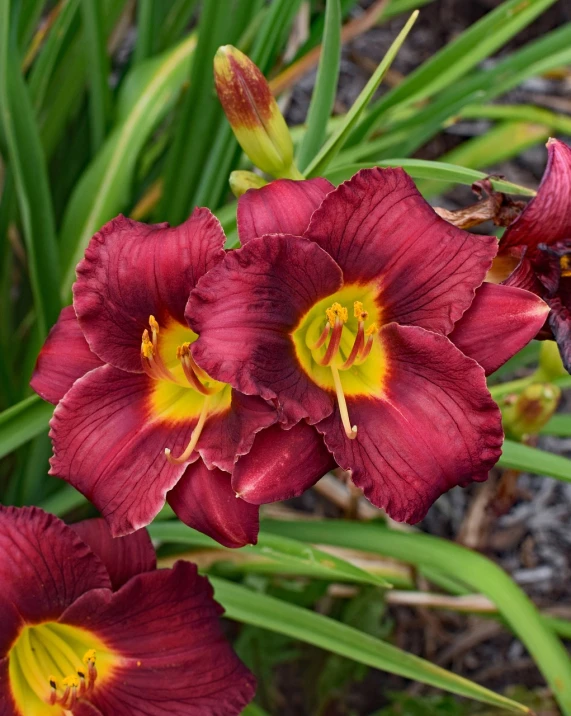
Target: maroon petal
x,y
435,427
560,320
499,323
244,310
65,357
132,271
547,217
282,207
108,446
523,274
379,229
229,434
174,656
44,567
281,464
204,499
123,557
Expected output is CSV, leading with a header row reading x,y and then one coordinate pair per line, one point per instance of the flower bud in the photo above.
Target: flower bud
x,y
241,181
526,413
253,113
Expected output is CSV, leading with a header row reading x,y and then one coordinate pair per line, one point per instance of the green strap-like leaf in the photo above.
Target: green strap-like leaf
x,y
22,422
335,143
325,88
266,612
472,568
516,456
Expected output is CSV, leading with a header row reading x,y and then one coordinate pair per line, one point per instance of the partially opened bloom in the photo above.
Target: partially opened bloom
x,y
346,326
127,390
90,627
536,247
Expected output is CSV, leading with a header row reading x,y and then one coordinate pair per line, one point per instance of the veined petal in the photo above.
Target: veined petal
x,y
434,427
380,230
204,499
284,206
244,311
123,557
44,567
229,434
560,320
547,217
174,656
132,271
281,464
499,323
65,357
110,445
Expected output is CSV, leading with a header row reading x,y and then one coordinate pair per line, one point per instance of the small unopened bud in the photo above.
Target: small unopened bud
x,y
550,363
241,181
253,113
525,414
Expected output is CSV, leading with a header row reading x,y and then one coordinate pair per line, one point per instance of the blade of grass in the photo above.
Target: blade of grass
x,y
175,22
458,57
22,422
502,142
98,71
30,175
426,169
148,24
559,425
276,548
29,16
267,612
516,456
325,88
559,123
148,94
472,568
63,501
336,142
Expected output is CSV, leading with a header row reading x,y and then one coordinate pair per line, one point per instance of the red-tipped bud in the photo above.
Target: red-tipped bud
x,y
253,113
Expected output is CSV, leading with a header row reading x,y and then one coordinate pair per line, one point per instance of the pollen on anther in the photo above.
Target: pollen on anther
x,y
359,311
52,680
89,656
371,329
153,324
71,682
147,348
336,311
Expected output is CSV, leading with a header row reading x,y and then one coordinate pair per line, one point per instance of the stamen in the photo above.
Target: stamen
x,y
89,659
565,264
193,438
191,369
370,333
351,432
361,315
53,693
336,311
334,342
151,360
323,337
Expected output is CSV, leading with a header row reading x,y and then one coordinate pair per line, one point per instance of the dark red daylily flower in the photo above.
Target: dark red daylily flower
x,y
90,627
349,327
535,250
127,389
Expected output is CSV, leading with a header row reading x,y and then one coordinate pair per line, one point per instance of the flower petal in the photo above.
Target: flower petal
x,y
65,357
175,658
229,434
547,217
379,229
44,567
123,557
435,427
282,207
204,499
133,270
560,320
107,445
499,323
244,311
281,464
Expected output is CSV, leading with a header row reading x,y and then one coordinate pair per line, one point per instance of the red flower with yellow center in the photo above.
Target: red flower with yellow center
x,y
136,419
535,250
371,324
89,626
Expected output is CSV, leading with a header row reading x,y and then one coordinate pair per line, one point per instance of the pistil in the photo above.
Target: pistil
x,y
350,431
184,457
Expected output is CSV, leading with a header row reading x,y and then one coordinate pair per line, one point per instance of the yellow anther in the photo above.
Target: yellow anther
x,y
89,656
147,347
52,680
153,324
70,681
565,263
337,311
359,311
183,350
371,329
